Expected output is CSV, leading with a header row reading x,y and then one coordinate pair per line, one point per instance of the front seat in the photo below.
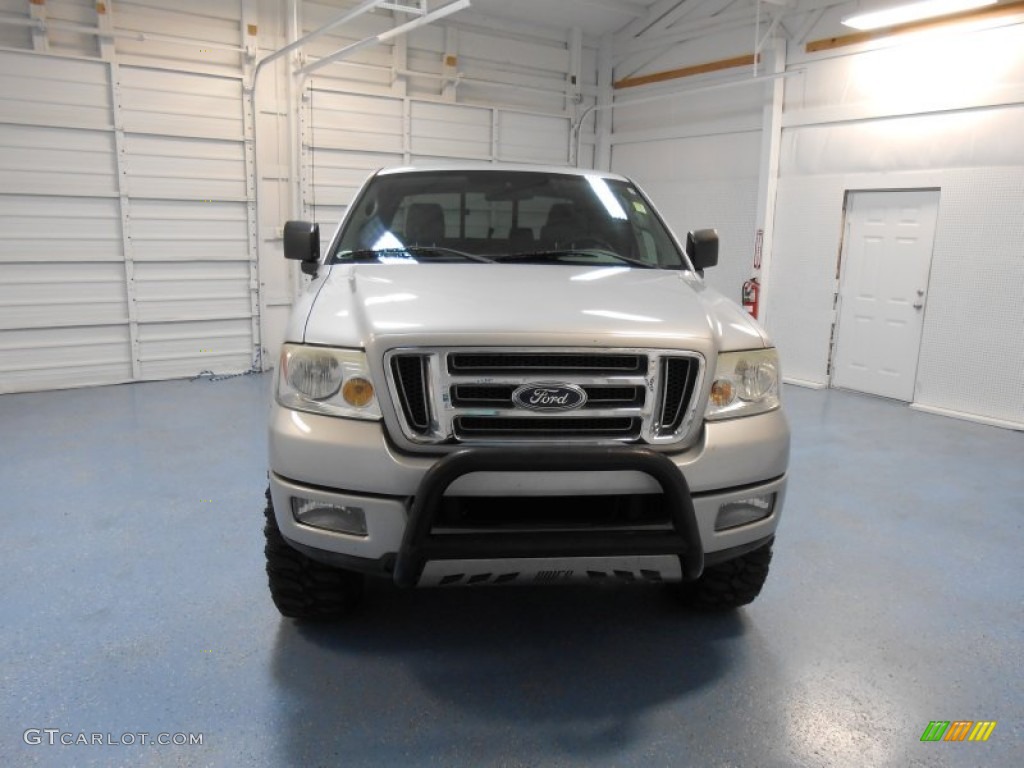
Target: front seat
x,y
520,240
424,224
562,226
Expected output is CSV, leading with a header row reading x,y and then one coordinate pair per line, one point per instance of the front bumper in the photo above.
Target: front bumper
x,y
350,463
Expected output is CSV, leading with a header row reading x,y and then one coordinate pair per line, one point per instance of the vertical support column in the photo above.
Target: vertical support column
x,y
768,178
407,130
399,61
292,190
400,87
603,114
450,64
573,84
495,135
306,193
257,299
108,53
40,41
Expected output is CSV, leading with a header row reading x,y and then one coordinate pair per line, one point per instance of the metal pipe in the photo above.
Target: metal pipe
x,y
359,10
85,29
383,37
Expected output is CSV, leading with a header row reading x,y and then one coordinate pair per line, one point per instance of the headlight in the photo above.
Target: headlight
x,y
335,382
745,383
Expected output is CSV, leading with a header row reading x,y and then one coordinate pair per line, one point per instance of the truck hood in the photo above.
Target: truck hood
x,y
375,306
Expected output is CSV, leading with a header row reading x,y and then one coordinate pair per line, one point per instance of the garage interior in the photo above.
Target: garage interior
x,y
151,153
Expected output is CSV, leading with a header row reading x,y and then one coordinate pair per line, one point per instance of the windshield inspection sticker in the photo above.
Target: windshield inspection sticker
x,y
639,207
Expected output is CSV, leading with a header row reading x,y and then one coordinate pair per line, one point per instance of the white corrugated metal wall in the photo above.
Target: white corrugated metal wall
x,y
129,250
127,145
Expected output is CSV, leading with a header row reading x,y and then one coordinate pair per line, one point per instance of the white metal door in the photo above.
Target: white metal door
x,y
887,251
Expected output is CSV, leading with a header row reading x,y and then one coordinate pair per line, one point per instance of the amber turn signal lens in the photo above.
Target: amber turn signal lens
x,y
722,392
357,392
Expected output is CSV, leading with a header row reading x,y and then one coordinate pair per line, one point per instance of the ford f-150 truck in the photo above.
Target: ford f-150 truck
x,y
516,374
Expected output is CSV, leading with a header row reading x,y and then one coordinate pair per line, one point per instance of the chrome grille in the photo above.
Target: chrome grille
x,y
453,396
500,396
545,426
548,362
679,376
411,386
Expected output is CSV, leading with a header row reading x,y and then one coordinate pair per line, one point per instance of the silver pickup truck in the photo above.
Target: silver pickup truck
x,y
517,375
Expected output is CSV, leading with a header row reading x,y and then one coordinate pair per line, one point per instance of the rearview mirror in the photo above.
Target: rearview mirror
x,y
302,243
702,248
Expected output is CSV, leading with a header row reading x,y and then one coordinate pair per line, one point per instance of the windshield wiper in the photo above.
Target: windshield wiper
x,y
563,252
372,254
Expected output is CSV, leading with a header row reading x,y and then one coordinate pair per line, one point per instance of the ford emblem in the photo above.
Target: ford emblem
x,y
549,396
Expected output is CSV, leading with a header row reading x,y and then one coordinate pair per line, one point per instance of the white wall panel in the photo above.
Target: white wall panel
x,y
215,23
442,130
972,352
63,293
527,138
188,231
927,74
42,295
53,230
57,161
39,90
799,306
703,182
179,168
966,139
171,349
32,359
81,12
12,36
513,53
181,104
186,291
354,122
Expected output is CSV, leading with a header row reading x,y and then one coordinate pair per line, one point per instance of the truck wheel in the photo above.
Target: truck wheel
x,y
302,588
730,584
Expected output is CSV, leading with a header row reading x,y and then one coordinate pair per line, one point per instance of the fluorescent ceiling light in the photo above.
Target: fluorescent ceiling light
x,y
903,14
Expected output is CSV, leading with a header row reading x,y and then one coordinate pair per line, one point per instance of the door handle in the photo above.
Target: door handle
x,y
918,306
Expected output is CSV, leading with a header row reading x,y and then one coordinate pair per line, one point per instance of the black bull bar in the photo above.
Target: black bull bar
x,y
420,545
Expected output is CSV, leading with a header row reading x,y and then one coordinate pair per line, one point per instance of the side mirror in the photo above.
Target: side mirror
x,y
702,247
302,243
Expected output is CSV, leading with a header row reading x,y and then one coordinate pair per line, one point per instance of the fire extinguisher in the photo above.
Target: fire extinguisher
x,y
751,296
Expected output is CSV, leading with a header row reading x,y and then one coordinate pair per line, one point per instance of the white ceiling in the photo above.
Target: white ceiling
x,y
593,17
629,19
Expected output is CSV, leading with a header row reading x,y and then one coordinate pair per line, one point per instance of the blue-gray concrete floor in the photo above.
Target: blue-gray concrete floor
x,y
134,601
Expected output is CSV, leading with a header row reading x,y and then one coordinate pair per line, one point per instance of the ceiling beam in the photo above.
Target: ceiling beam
x,y
640,25
619,6
675,74
684,31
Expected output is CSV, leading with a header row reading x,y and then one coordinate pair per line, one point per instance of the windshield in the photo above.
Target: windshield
x,y
505,216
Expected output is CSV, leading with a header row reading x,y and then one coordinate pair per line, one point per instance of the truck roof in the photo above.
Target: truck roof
x,y
509,167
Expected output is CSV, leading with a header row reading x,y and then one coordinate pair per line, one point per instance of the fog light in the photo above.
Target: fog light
x,y
330,517
743,511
